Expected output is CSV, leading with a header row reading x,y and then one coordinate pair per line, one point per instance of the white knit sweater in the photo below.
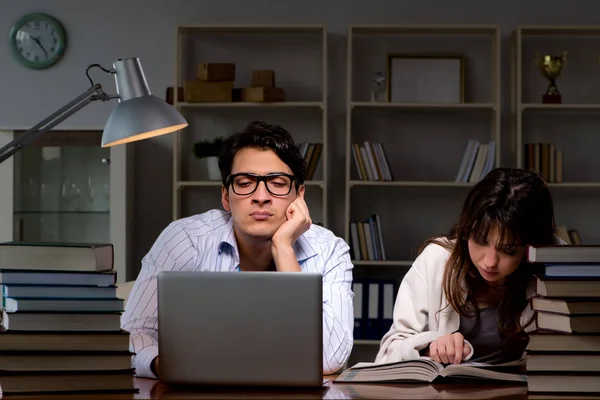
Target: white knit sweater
x,y
416,320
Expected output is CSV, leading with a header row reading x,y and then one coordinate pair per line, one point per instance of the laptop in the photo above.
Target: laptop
x,y
240,328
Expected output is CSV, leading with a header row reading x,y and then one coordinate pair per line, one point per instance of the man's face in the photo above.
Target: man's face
x,y
260,213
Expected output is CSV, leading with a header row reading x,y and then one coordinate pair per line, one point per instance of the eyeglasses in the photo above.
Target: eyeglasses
x,y
245,184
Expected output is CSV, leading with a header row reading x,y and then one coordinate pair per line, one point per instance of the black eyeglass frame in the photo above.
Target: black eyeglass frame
x,y
262,178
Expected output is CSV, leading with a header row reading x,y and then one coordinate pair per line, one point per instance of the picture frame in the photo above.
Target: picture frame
x,y
426,78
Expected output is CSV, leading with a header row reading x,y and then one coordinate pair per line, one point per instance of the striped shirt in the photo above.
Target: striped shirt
x,y
206,242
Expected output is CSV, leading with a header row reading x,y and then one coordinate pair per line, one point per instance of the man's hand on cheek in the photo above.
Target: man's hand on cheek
x,y
298,221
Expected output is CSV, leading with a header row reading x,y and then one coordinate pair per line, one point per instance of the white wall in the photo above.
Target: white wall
x,y
101,32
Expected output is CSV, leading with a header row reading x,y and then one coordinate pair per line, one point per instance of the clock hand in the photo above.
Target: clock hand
x,y
40,44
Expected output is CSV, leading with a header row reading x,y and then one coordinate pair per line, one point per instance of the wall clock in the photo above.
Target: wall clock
x,y
37,40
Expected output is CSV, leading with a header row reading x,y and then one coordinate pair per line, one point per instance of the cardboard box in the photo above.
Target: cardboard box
x,y
262,94
205,91
216,72
263,77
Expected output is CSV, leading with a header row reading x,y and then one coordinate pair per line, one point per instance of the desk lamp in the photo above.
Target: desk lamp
x,y
138,115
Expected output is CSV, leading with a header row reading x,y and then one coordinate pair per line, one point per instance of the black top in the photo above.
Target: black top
x,y
488,346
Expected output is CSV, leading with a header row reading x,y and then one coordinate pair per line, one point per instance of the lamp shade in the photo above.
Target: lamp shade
x,y
139,114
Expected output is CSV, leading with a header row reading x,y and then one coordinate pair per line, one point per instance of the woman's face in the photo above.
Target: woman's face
x,y
495,260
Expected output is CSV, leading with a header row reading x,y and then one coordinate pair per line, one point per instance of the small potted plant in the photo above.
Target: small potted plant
x,y
208,152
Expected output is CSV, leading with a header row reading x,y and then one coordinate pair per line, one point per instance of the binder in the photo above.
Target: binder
x,y
359,310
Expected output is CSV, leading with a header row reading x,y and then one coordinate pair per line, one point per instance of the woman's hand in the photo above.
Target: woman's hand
x,y
449,349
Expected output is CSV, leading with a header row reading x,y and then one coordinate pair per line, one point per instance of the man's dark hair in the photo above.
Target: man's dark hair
x,y
260,135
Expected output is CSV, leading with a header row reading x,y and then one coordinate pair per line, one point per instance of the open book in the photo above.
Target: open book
x,y
427,370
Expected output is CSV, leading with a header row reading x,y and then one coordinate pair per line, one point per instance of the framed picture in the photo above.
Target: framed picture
x,y
425,78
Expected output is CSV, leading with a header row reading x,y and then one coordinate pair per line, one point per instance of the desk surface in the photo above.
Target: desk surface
x,y
152,389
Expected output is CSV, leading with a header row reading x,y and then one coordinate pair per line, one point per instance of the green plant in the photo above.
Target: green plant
x,y
208,148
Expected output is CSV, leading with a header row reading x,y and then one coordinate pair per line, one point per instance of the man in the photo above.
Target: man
x,y
265,226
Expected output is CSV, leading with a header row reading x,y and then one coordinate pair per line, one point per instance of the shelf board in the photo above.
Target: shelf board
x,y
320,184
411,183
424,106
198,183
387,263
269,29
247,104
423,29
575,185
181,184
41,212
559,107
559,30
367,342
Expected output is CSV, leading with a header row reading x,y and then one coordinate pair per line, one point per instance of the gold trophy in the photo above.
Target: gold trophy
x,y
551,67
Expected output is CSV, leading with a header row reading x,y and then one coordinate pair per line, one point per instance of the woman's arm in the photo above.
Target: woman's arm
x,y
420,294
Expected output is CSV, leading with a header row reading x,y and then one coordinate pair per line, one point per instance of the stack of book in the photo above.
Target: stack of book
x,y
60,320
563,354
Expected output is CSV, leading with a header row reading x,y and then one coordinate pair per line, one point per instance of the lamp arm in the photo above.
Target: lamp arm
x,y
92,94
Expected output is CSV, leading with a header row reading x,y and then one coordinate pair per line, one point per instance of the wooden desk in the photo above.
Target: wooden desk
x,y
152,389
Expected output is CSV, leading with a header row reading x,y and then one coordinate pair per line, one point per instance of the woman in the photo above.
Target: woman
x,y
465,296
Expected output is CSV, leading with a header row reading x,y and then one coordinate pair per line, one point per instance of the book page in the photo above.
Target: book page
x,y
512,364
423,362
420,370
511,371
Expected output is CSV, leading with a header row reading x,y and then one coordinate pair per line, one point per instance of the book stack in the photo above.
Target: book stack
x,y
563,354
60,320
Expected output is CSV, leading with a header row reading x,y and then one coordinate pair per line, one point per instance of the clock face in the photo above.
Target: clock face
x,y
37,41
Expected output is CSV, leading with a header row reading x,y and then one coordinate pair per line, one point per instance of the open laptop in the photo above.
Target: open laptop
x,y
240,328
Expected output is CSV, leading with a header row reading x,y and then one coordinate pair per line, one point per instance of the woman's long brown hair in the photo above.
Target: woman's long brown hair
x,y
519,204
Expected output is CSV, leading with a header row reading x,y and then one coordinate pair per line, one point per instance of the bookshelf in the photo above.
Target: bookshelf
x,y
564,133
286,49
423,140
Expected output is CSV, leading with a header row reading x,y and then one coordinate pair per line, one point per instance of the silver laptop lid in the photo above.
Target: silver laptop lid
x,y
240,328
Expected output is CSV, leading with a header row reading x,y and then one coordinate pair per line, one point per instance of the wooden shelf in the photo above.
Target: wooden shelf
x,y
575,185
311,37
423,29
387,263
409,183
284,104
424,106
197,183
558,30
486,102
249,29
408,131
567,127
518,81
559,107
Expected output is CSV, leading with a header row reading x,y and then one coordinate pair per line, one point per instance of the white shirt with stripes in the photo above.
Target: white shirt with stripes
x,y
206,242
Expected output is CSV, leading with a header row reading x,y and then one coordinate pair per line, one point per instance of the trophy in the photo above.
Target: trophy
x,y
551,67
